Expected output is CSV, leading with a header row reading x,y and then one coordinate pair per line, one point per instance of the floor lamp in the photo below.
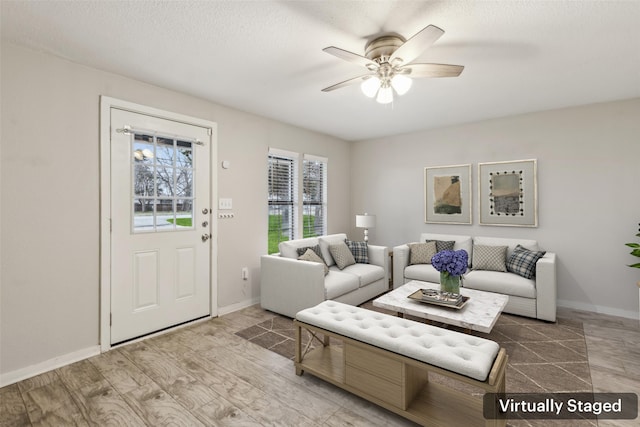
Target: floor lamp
x,y
366,221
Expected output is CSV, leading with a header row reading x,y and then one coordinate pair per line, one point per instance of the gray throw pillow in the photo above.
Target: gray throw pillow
x,y
341,255
421,253
489,258
443,245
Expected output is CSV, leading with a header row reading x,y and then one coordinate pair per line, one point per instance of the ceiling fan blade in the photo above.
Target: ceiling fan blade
x,y
432,70
351,57
417,44
346,83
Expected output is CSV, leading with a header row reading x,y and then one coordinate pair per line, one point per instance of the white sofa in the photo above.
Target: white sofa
x,y
535,297
288,285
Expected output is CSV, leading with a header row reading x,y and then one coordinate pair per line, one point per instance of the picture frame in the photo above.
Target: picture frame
x,y
447,194
508,193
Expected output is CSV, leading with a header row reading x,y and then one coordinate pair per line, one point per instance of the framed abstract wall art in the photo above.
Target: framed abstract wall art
x,y
447,194
508,193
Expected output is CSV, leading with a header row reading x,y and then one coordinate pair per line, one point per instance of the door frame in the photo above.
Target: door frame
x,y
106,104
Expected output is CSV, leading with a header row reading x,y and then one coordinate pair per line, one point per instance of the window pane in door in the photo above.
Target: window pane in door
x,y
184,213
143,183
143,214
184,181
165,181
165,214
184,154
165,151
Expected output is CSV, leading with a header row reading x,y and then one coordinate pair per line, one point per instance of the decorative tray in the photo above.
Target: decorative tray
x,y
442,299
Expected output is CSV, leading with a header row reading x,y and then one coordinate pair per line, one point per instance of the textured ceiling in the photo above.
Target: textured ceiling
x,y
266,57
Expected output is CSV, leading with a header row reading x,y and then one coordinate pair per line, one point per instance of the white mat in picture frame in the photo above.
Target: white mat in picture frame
x,y
508,193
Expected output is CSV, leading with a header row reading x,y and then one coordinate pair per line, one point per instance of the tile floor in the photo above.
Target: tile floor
x,y
205,375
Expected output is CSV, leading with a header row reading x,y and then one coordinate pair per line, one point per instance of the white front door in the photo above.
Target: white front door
x,y
160,223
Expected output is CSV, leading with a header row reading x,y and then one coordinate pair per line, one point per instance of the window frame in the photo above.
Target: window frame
x,y
299,203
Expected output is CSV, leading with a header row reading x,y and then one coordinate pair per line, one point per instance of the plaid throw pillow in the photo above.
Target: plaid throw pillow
x,y
360,251
523,262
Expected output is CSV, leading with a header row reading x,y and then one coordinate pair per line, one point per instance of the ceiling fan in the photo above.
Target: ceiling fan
x,y
388,61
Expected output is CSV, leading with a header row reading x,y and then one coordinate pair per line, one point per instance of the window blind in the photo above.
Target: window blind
x,y
282,199
314,196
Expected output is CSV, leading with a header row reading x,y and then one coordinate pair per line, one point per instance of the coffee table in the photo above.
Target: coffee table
x,y
480,313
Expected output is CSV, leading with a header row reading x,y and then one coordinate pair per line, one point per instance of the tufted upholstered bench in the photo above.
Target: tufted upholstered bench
x,y
387,360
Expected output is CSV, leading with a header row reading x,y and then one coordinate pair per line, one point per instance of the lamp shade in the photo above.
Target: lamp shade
x,y
401,83
365,221
370,86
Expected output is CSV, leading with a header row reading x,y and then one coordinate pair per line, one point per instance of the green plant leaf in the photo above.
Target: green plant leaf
x,y
633,245
638,235
635,252
636,265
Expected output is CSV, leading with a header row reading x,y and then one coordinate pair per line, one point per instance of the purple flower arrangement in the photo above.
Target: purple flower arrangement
x,y
452,262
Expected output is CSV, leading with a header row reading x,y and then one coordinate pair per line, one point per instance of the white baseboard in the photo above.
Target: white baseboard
x,y
48,365
629,314
238,306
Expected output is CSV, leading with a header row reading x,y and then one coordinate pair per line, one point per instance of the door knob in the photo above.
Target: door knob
x,y
205,223
205,237
205,211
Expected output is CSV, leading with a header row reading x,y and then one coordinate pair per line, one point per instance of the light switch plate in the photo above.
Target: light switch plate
x,y
225,204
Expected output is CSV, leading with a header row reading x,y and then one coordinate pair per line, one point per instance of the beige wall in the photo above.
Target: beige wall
x,y
588,185
49,290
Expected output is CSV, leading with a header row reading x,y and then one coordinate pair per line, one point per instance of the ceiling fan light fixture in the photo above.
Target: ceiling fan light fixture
x,y
385,95
401,83
370,86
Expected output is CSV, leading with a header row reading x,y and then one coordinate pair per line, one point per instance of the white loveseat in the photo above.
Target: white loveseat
x,y
288,285
534,297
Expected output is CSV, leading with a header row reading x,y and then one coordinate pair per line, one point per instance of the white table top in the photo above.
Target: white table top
x,y
479,314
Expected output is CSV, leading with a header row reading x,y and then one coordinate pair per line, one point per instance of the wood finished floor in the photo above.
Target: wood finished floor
x,y
204,375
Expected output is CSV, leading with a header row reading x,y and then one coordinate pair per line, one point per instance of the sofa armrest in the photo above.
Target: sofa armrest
x,y
379,255
546,287
400,262
288,285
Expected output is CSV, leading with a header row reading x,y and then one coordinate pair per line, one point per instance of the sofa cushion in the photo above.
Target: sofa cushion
x,y
366,273
341,255
338,283
421,253
311,256
461,242
289,248
443,245
325,241
523,262
492,258
422,272
360,251
502,283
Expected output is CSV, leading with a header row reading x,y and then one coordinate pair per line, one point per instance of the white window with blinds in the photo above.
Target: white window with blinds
x,y
314,196
287,220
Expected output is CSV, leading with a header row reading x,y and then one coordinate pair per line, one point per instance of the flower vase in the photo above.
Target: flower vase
x,y
449,283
